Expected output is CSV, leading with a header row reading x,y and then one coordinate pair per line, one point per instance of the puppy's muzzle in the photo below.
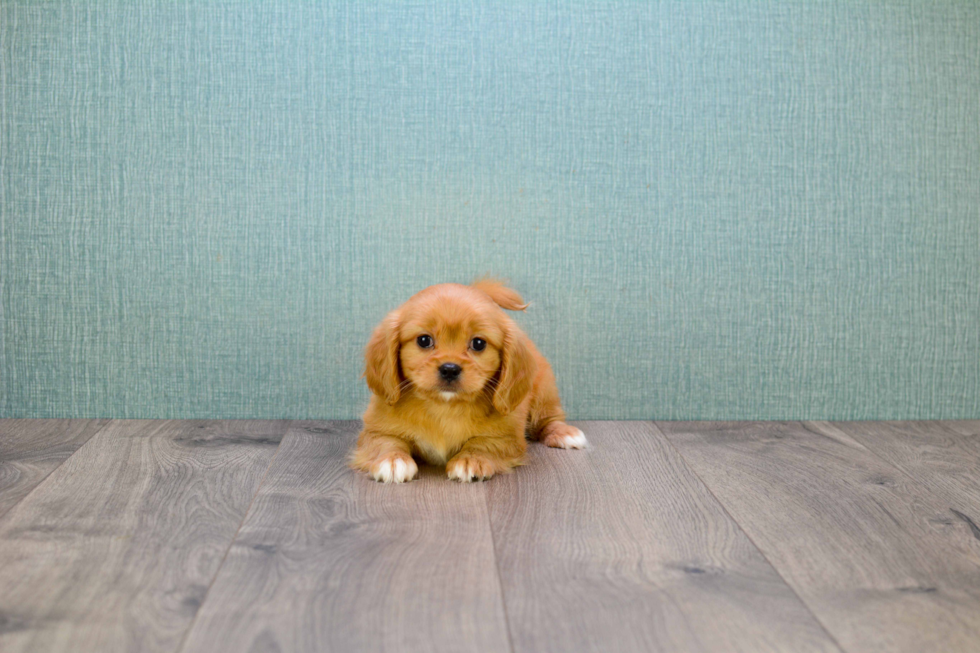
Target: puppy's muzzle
x,y
450,372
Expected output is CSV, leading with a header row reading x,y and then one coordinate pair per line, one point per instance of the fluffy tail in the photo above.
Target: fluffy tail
x,y
501,294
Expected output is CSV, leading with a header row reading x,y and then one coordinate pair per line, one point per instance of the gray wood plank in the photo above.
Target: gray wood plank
x,y
329,560
115,551
964,427
30,449
621,548
941,459
874,554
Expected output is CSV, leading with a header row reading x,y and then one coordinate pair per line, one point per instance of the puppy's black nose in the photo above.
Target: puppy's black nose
x,y
450,371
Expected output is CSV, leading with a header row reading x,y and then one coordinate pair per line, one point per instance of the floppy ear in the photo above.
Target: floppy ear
x,y
517,370
381,369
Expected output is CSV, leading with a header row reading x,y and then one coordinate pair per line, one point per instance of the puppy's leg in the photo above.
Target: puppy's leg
x,y
483,456
546,421
387,459
560,435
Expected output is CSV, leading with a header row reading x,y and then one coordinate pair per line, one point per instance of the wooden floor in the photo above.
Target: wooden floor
x,y
675,536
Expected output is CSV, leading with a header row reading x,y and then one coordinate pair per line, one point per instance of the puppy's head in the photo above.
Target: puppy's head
x,y
450,343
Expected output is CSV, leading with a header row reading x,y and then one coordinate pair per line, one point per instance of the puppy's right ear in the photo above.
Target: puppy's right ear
x,y
382,369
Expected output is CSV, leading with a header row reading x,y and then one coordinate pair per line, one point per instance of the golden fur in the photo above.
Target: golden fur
x,y
475,425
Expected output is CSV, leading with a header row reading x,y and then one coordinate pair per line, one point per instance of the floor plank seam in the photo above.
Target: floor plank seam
x,y
769,562
10,509
231,543
897,467
916,482
496,567
942,423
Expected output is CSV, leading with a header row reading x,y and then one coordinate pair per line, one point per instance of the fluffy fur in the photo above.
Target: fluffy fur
x,y
475,425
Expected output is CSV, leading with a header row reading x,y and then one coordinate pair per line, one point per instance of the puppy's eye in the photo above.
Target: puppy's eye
x,y
478,344
424,341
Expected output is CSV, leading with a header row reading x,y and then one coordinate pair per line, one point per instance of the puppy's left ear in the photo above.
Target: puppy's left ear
x,y
381,366
517,370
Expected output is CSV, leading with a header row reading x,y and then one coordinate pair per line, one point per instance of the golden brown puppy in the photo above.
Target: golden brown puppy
x,y
455,382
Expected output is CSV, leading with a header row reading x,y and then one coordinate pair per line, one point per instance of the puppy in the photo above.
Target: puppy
x,y
455,382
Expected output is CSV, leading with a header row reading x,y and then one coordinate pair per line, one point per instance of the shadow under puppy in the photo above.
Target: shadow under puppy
x,y
456,382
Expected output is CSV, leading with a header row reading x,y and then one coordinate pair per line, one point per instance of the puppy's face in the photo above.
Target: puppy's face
x,y
450,347
449,343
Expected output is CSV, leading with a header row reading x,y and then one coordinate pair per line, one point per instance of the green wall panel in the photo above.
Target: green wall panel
x,y
718,209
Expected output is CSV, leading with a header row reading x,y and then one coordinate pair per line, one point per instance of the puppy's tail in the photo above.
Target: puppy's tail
x,y
501,294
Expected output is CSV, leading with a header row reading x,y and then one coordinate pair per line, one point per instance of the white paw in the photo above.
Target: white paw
x,y
469,469
574,440
395,470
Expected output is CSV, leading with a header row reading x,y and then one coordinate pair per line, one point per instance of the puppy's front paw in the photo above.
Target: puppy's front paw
x,y
563,436
394,469
467,467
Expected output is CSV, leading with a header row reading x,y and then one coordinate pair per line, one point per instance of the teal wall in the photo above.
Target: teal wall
x,y
719,209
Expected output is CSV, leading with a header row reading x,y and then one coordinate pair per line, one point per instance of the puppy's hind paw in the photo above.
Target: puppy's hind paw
x,y
394,470
563,436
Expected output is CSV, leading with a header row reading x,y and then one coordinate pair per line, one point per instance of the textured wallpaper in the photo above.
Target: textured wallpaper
x,y
718,209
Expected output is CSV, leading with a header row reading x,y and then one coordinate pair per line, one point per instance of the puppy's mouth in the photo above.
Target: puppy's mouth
x,y
448,389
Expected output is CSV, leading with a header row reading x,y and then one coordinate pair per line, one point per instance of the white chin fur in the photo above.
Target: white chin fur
x,y
447,396
576,441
